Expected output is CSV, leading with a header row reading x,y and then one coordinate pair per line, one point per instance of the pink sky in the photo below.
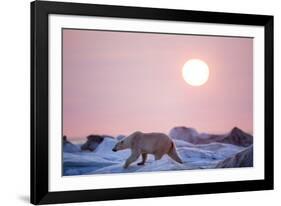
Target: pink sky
x,y
120,82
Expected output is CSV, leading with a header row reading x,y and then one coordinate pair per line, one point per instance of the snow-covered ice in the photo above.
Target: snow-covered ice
x,y
103,160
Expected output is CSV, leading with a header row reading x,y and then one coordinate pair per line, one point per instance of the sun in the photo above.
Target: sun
x,y
195,72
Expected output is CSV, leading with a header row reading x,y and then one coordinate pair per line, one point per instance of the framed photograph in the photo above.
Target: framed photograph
x,y
131,102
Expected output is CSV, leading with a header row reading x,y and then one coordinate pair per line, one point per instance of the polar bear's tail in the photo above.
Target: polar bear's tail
x,y
173,153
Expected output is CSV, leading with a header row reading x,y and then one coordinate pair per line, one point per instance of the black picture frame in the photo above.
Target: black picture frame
x,y
40,96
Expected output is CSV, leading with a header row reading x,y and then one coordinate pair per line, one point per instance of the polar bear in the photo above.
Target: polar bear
x,y
140,143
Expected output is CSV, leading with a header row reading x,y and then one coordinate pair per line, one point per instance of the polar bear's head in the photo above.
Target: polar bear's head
x,y
126,142
121,145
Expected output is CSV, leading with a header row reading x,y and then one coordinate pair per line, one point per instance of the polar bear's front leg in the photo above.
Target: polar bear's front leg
x,y
133,157
144,157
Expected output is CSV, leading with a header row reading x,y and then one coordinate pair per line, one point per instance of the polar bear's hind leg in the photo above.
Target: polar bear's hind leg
x,y
174,155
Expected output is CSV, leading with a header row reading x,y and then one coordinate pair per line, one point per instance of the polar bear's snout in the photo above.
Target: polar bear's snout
x,y
115,148
121,145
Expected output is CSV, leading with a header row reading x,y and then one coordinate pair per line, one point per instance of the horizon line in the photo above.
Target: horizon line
x,y
115,136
